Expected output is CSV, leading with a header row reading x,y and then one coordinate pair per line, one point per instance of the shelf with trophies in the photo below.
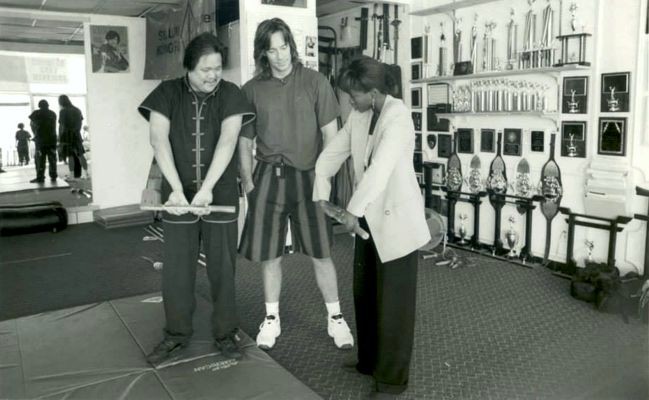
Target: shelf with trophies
x,y
487,84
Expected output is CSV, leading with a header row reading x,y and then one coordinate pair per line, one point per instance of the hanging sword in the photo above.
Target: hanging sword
x,y
396,23
375,16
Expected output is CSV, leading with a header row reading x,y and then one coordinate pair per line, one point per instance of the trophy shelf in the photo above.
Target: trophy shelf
x,y
492,74
450,6
550,116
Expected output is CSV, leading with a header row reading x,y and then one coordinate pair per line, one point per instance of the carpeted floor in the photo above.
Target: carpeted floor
x,y
79,265
490,330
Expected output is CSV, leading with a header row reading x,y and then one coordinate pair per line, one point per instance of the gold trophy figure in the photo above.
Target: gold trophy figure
x,y
463,217
613,103
512,238
590,245
572,148
573,105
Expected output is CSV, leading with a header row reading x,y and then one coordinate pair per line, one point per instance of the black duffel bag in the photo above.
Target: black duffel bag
x,y
31,218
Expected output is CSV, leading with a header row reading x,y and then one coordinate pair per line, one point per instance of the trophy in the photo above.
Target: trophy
x,y
546,56
512,33
454,179
497,182
573,45
463,217
427,64
512,237
489,53
551,189
474,43
590,245
475,180
572,148
523,183
442,52
613,103
457,41
574,22
573,105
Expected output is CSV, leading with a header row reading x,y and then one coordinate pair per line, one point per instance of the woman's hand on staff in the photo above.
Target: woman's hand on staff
x,y
344,217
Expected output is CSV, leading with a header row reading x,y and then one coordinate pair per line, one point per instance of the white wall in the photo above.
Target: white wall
x,y
121,154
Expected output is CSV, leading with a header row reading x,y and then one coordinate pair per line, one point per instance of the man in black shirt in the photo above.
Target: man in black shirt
x,y
43,123
194,127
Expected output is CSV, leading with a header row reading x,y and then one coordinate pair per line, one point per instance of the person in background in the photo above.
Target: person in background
x,y
43,124
70,141
386,202
296,113
22,144
194,126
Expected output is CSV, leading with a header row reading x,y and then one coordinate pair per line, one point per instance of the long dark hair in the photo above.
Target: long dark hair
x,y
262,43
364,74
64,101
203,44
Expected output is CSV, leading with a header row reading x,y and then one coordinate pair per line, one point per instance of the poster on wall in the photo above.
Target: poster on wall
x,y
285,3
169,31
109,46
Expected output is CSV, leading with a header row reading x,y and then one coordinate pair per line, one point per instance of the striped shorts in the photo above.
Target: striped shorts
x,y
273,203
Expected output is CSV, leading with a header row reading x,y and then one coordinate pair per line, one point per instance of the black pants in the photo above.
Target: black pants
x,y
384,300
42,153
23,155
181,249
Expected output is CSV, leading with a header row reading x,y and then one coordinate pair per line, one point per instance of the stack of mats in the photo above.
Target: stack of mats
x,y
117,217
97,352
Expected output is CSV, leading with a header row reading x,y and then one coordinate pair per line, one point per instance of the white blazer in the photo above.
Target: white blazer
x,y
386,193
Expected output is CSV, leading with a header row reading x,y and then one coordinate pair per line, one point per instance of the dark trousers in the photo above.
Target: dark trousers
x,y
43,153
181,249
23,155
384,300
75,165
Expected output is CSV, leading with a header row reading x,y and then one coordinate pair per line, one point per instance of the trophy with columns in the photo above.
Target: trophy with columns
x,y
512,237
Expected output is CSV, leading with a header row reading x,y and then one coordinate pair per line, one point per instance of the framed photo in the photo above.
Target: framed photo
x,y
417,141
416,120
438,97
439,173
431,140
285,3
464,140
612,136
415,97
418,162
573,139
487,142
615,92
415,71
443,145
575,95
512,142
109,45
416,47
538,141
310,45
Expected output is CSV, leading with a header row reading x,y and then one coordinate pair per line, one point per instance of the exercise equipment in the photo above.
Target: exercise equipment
x,y
32,218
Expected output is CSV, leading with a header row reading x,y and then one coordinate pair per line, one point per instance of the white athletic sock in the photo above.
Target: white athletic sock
x,y
333,308
272,309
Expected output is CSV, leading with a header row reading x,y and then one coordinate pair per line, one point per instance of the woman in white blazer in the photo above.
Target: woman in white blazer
x,y
387,202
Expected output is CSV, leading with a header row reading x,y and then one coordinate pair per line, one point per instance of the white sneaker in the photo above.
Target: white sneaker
x,y
269,330
338,329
